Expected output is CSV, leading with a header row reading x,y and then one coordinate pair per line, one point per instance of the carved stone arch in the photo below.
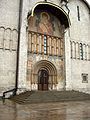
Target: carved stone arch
x,y
45,66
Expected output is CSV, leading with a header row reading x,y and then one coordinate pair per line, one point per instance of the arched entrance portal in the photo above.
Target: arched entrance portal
x,y
46,43
43,76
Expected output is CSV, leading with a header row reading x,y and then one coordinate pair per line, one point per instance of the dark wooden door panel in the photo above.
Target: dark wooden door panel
x,y
43,80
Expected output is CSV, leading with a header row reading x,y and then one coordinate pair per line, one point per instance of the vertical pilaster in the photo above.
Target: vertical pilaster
x,y
22,82
68,80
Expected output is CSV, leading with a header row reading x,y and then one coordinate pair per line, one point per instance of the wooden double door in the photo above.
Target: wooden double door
x,y
43,77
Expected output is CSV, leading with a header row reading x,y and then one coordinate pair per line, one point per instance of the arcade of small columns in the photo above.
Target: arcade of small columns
x,y
39,43
80,51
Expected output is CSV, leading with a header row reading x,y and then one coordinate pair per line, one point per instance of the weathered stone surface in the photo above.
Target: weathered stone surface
x,y
79,31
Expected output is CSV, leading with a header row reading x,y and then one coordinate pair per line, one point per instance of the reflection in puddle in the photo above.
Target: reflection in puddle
x,y
48,111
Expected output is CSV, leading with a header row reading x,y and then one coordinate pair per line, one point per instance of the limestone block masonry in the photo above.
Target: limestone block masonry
x,y
9,14
77,13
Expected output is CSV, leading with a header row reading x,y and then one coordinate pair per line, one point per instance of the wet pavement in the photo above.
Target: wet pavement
x,y
77,110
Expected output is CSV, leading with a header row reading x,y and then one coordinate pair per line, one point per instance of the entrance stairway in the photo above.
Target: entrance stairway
x,y
30,97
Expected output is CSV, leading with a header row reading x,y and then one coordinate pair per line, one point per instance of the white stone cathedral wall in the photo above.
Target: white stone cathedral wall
x,y
79,32
27,6
80,67
76,32
7,69
9,12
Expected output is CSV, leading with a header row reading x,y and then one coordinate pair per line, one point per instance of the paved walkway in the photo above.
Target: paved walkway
x,y
30,97
77,110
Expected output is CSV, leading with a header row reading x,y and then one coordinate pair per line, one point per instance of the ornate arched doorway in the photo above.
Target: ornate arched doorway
x,y
43,77
45,44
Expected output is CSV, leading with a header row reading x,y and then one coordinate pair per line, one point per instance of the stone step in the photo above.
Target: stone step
x,y
49,96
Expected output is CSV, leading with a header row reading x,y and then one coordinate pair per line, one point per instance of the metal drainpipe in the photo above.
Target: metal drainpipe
x,y
18,46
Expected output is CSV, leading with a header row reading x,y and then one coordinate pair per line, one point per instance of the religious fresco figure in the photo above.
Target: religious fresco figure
x,y
45,24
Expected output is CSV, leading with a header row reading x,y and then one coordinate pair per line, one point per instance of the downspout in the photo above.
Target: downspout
x,y
18,46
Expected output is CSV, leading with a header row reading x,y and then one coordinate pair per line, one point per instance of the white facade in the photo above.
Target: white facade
x,y
77,33
9,12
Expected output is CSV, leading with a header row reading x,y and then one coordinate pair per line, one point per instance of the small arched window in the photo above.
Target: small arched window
x,y
81,51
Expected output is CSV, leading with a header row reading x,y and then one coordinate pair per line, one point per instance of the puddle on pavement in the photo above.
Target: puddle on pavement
x,y
79,110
